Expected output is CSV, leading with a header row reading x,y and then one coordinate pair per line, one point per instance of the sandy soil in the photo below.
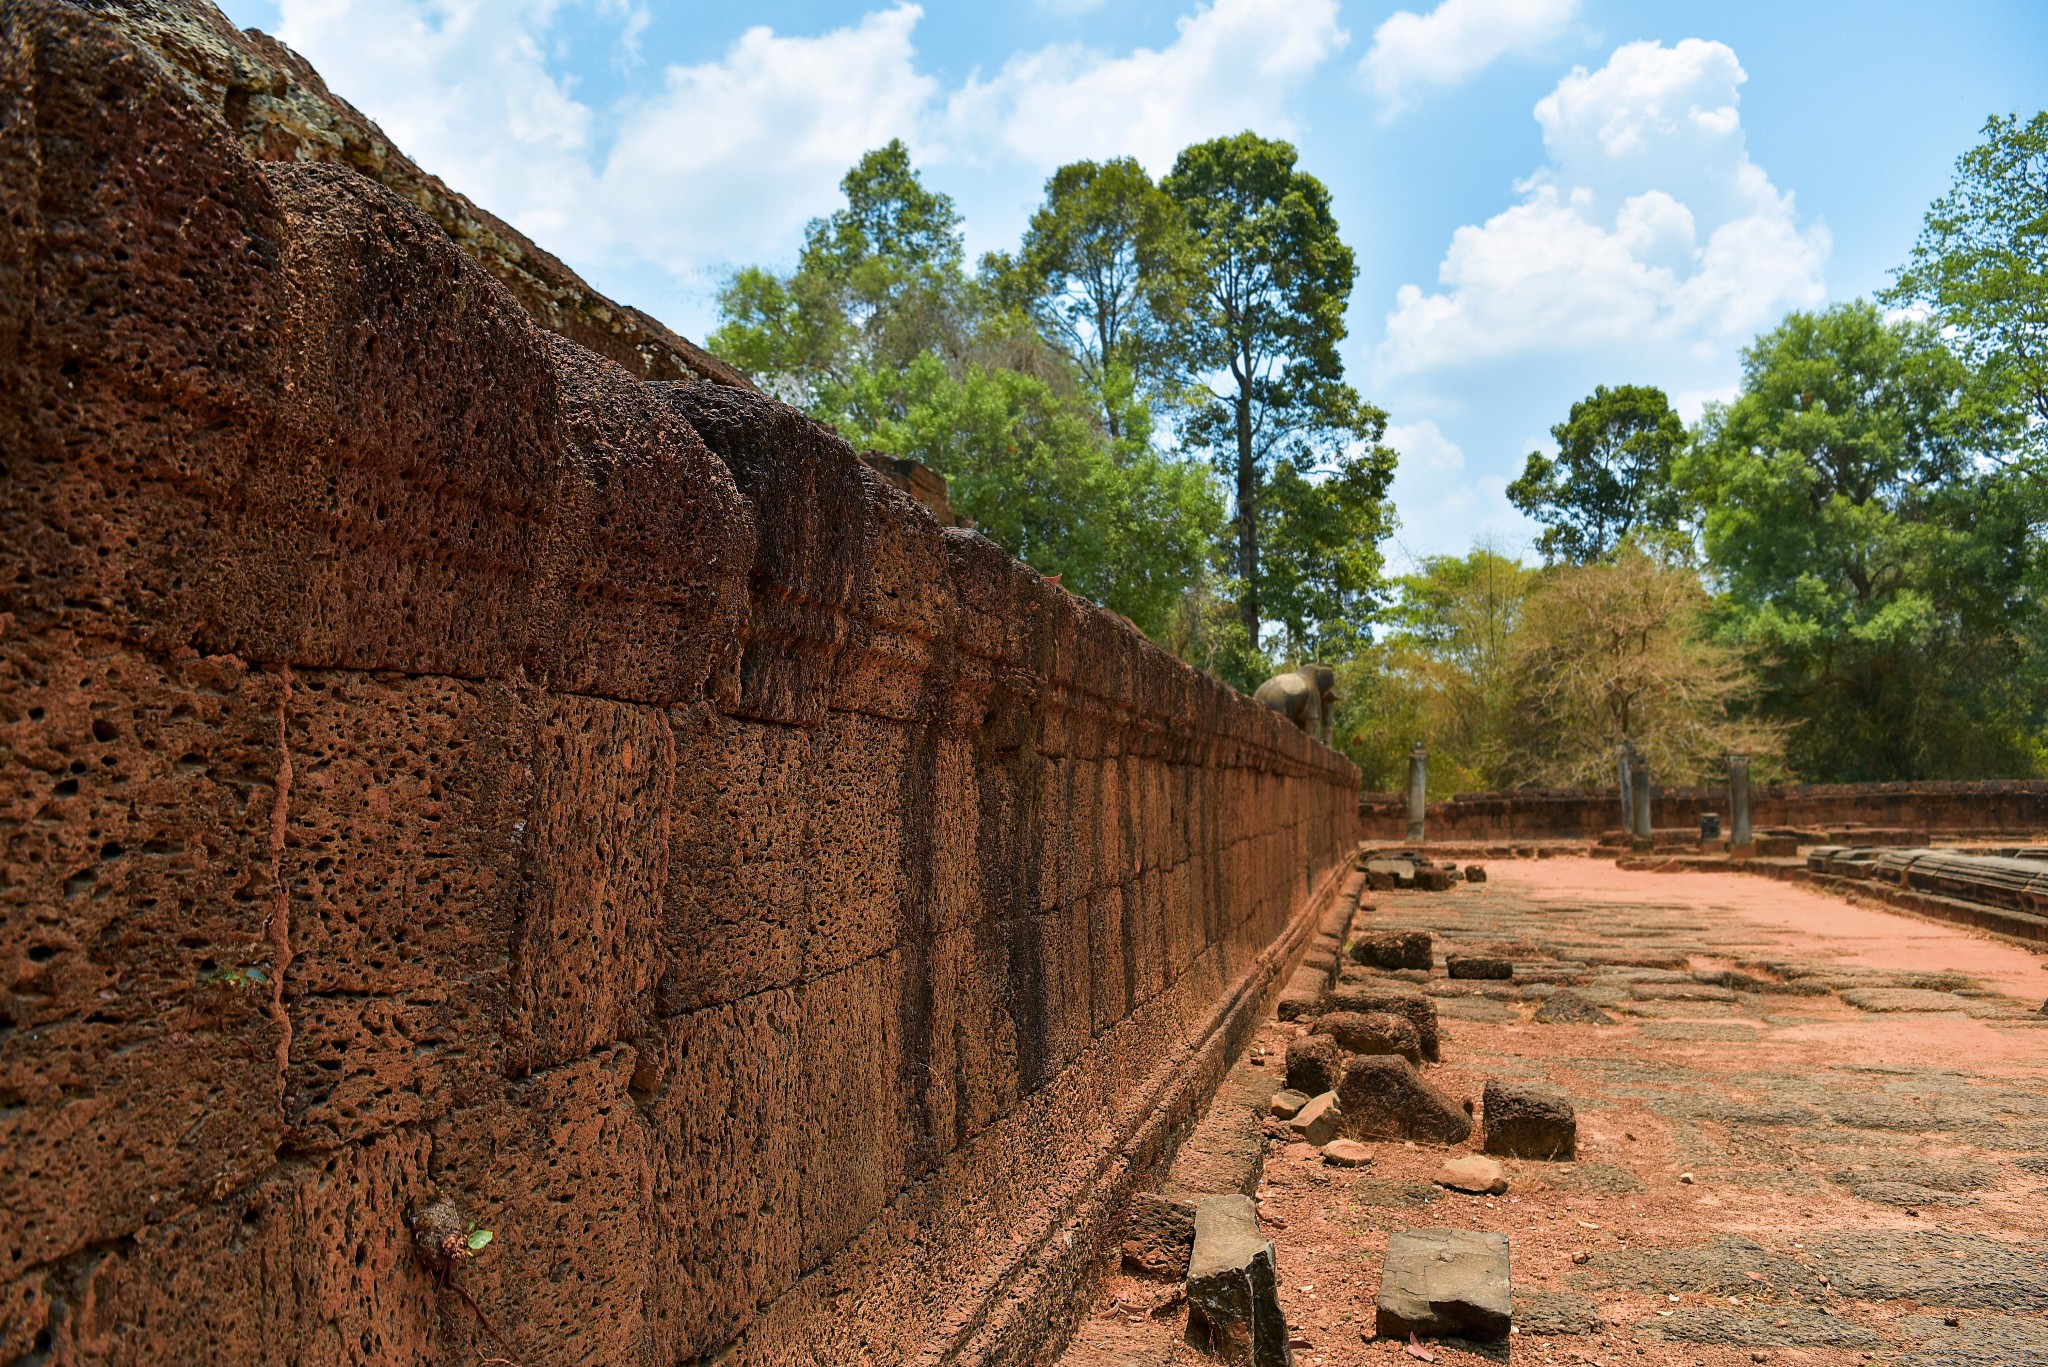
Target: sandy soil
x,y
1839,1159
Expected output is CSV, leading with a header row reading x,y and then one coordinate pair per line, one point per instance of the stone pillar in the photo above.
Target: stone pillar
x,y
1639,784
1628,806
1738,800
1418,791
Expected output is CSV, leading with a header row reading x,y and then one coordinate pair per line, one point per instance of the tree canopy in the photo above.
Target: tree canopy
x,y
1862,555
1611,477
1980,269
1260,333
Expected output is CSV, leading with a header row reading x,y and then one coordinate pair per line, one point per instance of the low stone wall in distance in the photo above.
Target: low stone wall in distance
x,y
436,764
1988,808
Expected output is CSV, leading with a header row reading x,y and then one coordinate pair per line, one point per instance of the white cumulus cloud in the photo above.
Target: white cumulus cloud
x,y
1423,446
725,160
1231,66
1455,41
1647,225
733,156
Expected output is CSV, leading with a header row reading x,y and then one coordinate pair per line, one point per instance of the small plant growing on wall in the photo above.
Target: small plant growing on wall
x,y
443,1240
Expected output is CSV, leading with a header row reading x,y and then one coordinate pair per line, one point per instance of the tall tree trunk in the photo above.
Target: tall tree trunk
x,y
1247,515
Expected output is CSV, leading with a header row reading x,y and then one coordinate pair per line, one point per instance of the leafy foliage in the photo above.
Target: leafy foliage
x,y
1105,272
881,332
1879,574
1261,331
1611,477
1617,650
1439,676
1036,387
1980,267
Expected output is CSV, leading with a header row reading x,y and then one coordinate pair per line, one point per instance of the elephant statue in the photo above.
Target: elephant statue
x,y
1306,696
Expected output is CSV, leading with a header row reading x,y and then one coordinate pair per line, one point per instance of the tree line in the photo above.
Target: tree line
x,y
1841,571
1144,398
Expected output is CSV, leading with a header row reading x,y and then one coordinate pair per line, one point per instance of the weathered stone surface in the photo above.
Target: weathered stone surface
x,y
1372,1032
1346,1153
1315,1063
1158,1236
1234,1286
1475,873
1445,1283
1482,966
1383,1097
1287,1103
1474,1173
1318,1122
1528,1120
1416,1008
1303,994
647,829
1392,949
1566,1007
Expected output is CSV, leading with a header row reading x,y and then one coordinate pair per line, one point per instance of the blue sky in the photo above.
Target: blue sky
x,y
1544,195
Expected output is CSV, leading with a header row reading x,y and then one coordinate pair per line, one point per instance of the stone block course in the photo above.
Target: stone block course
x,y
740,875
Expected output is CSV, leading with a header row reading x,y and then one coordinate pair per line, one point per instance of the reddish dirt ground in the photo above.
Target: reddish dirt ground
x,y
1836,1155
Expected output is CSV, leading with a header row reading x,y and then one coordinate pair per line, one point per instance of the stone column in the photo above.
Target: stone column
x,y
1418,791
1628,806
1738,800
1639,784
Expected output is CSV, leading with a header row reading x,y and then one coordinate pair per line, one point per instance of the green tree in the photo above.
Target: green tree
x,y
1264,326
1980,267
1611,477
1877,572
1322,565
1103,270
1028,465
1617,650
880,332
1440,671
878,283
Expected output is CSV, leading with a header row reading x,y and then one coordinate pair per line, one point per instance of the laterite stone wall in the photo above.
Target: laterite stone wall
x,y
435,762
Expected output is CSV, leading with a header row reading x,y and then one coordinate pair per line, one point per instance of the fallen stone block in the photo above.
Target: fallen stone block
x,y
1372,1032
1287,1103
1475,873
1315,1063
1445,1283
1418,1010
1529,1120
1566,1007
1393,949
1319,1121
1383,1097
1433,879
1346,1153
1234,1286
1474,1173
1483,966
1158,1236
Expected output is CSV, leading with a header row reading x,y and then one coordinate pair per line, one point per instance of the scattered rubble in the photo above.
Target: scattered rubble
x,y
1475,1174
1566,1007
1384,1097
1234,1286
1315,1063
1393,949
1445,1283
1529,1120
1319,1121
1372,1032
